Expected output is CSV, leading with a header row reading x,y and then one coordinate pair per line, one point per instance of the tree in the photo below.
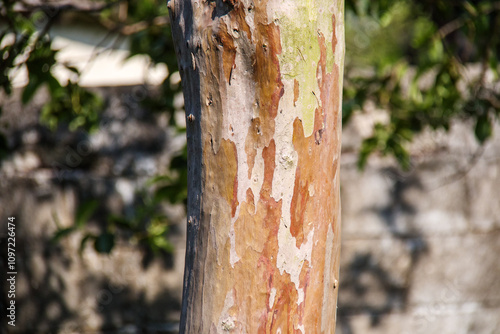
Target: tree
x,y
263,84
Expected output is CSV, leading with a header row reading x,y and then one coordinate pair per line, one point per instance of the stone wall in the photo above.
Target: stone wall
x,y
419,248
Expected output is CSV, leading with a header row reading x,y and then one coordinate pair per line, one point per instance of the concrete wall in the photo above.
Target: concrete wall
x,y
419,248
47,179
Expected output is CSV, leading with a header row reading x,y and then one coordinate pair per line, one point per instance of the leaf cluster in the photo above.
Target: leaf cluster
x,y
417,57
25,43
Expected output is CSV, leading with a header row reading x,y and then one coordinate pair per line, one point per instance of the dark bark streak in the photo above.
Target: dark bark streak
x,y
191,87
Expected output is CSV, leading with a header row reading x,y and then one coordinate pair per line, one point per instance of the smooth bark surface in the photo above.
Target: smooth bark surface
x,y
262,84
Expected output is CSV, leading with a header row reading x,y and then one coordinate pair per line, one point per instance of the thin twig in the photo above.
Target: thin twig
x,y
458,23
462,172
134,28
64,6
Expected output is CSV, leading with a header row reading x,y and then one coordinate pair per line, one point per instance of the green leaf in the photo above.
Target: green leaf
x,y
54,85
483,129
423,31
493,62
73,69
61,233
368,146
104,243
121,222
157,227
169,193
84,241
159,179
436,52
30,89
160,242
85,211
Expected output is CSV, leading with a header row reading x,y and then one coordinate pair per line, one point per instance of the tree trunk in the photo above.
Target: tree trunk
x,y
262,85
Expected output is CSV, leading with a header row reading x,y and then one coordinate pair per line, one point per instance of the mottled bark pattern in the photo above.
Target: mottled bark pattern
x,y
263,80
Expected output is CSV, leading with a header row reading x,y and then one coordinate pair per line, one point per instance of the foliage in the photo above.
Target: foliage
x,y
433,45
25,43
146,227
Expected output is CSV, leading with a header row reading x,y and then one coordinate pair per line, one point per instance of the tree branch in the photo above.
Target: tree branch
x,y
464,170
457,23
131,29
63,5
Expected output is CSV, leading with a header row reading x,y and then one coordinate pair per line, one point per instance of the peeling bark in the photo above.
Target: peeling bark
x,y
262,81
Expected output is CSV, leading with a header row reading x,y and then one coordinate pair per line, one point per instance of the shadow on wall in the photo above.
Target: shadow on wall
x,y
59,289
50,302
376,276
39,287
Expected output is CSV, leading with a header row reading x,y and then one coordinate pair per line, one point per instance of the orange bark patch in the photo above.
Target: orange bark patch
x,y
226,42
270,89
237,15
267,73
225,185
295,91
254,140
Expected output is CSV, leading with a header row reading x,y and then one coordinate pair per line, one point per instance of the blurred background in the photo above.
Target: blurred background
x,y
92,167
